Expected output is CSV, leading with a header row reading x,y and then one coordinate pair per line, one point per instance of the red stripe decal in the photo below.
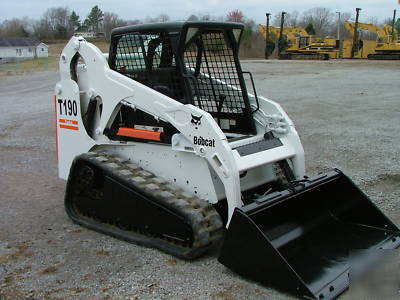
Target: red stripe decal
x,y
69,127
68,121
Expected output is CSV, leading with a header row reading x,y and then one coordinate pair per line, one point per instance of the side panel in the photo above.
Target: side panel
x,y
188,171
292,148
72,138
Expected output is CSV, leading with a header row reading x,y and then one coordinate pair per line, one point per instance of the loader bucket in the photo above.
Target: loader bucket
x,y
299,240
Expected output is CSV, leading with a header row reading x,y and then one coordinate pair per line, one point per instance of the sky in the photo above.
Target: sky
x,y
181,9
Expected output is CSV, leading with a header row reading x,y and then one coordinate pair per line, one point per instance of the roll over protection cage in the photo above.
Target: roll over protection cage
x,y
203,70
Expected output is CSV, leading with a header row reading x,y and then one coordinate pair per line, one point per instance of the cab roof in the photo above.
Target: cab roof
x,y
175,27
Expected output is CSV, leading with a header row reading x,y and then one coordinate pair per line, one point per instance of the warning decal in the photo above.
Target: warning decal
x,y
68,124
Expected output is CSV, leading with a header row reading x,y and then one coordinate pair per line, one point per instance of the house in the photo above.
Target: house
x,y
21,48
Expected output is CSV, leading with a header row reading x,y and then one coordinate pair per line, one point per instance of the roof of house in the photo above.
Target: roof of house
x,y
18,41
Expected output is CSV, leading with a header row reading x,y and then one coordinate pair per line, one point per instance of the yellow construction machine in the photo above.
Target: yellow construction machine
x,y
386,46
296,43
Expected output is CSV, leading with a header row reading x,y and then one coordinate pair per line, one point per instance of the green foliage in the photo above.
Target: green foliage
x,y
14,27
310,29
23,32
74,23
61,32
397,25
94,19
247,33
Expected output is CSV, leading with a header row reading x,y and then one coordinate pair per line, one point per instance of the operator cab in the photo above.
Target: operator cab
x,y
192,62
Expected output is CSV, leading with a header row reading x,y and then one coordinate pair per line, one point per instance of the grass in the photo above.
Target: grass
x,y
56,48
45,63
30,65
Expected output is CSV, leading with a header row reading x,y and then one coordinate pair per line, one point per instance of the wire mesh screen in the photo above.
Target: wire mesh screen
x,y
213,74
131,53
149,59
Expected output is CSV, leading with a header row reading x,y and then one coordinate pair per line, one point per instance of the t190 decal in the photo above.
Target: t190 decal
x,y
68,107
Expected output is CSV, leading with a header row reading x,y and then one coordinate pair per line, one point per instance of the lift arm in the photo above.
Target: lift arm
x,y
380,32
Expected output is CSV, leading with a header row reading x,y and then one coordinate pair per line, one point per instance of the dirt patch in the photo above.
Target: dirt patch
x,y
18,148
228,293
23,270
387,183
105,289
13,292
172,261
6,131
87,276
8,279
21,251
48,270
103,252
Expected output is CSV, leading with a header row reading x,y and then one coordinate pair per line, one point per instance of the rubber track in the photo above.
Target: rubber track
x,y
204,220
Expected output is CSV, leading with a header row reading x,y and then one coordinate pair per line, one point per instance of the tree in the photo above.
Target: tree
x,y
206,18
193,18
291,19
61,32
160,18
94,19
321,18
235,16
310,29
249,23
163,18
149,19
15,27
42,30
53,24
133,22
74,23
111,21
345,16
56,17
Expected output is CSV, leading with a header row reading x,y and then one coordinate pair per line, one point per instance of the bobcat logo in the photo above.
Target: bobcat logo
x,y
196,121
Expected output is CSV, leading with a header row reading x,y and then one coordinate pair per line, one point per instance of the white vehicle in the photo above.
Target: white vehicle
x,y
163,145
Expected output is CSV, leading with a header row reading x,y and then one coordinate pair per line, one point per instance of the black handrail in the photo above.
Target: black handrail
x,y
254,90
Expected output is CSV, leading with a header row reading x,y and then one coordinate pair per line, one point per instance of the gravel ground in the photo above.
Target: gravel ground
x,y
348,116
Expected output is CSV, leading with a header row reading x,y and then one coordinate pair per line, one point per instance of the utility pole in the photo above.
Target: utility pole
x,y
355,35
280,41
339,43
267,35
338,26
393,23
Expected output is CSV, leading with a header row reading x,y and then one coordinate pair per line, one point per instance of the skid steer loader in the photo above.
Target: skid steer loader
x,y
163,145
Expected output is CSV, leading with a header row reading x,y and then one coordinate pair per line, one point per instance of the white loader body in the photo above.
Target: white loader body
x,y
200,159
